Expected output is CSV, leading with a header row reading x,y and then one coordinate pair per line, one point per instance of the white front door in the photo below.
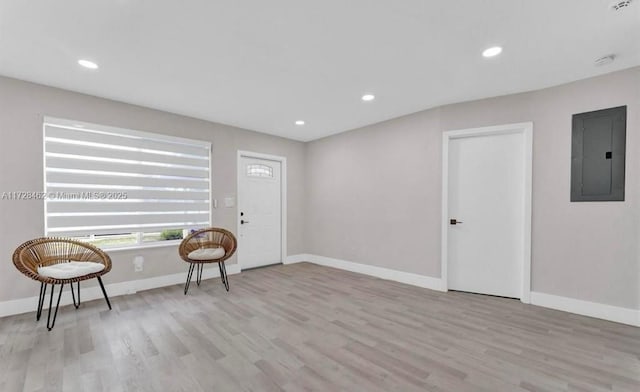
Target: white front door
x,y
259,212
486,206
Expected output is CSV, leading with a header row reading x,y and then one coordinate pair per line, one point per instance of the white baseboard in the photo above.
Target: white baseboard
x,y
25,305
586,308
423,281
571,305
296,258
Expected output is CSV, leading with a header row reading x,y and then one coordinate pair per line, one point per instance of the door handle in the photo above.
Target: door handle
x,y
454,221
242,221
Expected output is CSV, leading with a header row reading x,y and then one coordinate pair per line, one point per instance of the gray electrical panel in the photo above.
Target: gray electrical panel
x,y
598,155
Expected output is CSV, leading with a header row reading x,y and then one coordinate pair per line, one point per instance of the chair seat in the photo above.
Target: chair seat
x,y
204,254
70,270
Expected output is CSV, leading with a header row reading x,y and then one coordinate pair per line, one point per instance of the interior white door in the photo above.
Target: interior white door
x,y
260,212
486,198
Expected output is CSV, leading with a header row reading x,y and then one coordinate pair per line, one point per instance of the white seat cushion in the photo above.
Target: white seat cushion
x,y
70,270
207,254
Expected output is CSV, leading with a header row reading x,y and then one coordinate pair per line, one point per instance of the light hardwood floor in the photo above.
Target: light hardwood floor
x,y
305,327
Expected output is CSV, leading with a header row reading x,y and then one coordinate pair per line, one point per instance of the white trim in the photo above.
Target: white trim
x,y
44,175
527,130
283,195
528,194
297,259
570,305
142,245
25,305
423,281
444,229
92,127
585,308
212,204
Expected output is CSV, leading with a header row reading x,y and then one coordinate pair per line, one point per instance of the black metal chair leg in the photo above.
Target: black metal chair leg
x,y
199,273
104,292
43,293
186,285
223,275
73,295
226,277
50,323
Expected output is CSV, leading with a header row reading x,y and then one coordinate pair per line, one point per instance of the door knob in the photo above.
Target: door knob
x,y
454,221
242,221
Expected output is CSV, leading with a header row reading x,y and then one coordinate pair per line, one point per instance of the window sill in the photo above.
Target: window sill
x,y
163,244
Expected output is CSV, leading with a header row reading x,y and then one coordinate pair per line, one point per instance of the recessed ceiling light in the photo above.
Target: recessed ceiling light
x,y
299,122
88,64
368,97
492,51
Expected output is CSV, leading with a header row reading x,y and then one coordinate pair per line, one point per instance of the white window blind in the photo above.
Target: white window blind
x,y
103,180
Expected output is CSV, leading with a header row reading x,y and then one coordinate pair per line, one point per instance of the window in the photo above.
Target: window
x,y
256,170
123,188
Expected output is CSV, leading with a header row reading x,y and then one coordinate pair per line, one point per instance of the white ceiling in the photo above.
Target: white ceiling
x,y
262,65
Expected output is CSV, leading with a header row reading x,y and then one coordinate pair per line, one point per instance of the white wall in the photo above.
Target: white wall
x,y
373,194
22,108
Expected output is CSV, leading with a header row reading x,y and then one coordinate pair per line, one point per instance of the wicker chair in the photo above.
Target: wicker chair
x,y
60,261
211,245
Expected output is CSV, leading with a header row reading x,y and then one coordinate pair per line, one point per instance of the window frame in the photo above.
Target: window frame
x,y
127,132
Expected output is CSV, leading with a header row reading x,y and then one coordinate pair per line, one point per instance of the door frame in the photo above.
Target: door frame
x,y
526,129
283,195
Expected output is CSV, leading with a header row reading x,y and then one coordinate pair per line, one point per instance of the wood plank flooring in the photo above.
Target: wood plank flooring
x,y
304,327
